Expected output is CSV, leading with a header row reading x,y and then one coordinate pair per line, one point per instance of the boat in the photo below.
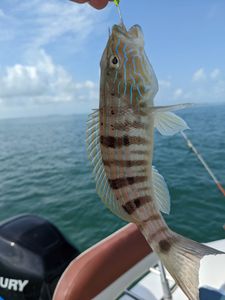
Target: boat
x,y
38,263
33,256
124,267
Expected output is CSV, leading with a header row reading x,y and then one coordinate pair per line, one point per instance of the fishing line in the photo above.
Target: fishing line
x,y
118,9
192,147
120,15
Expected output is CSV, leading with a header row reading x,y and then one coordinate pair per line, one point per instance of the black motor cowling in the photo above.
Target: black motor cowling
x,y
33,256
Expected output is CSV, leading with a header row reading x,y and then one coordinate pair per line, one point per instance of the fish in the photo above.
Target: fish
x,y
120,142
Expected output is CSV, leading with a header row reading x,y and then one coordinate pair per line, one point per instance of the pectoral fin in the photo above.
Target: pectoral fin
x,y
168,123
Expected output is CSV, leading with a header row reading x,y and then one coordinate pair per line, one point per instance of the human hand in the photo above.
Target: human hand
x,y
99,4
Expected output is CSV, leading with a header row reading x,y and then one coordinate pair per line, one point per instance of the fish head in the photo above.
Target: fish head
x,y
125,69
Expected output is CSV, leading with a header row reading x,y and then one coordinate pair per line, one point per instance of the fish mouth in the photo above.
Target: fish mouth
x,y
135,31
119,29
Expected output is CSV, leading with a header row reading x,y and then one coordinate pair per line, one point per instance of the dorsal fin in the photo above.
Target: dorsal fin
x,y
94,152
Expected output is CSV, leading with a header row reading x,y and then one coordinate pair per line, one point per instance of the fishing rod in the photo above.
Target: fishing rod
x,y
167,295
192,147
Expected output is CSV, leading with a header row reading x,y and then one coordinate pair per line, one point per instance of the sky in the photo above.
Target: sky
x,y
50,52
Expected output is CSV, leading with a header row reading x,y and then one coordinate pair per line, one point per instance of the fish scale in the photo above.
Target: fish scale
x,y
127,182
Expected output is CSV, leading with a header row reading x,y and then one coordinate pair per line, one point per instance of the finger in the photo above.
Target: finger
x,y
79,1
99,4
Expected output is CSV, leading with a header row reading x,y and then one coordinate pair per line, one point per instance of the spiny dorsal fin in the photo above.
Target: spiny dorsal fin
x,y
94,152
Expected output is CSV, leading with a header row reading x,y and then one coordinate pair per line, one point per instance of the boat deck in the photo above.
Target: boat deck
x,y
110,270
150,287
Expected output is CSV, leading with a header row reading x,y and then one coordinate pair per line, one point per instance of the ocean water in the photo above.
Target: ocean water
x,y
44,170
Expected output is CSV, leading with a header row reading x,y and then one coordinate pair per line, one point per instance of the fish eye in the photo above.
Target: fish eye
x,y
114,62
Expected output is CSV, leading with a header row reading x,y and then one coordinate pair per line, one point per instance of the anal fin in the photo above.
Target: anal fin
x,y
161,192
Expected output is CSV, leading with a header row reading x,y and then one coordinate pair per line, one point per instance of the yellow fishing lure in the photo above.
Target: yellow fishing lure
x,y
117,2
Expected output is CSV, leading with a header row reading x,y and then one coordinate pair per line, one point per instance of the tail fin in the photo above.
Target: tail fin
x,y
181,257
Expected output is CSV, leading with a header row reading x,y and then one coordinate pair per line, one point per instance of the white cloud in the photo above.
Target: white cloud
x,y
31,78
199,75
209,90
42,82
215,73
178,93
219,89
37,23
203,87
55,19
165,83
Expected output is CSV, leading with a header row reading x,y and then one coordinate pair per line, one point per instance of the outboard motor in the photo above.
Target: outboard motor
x,y
33,256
